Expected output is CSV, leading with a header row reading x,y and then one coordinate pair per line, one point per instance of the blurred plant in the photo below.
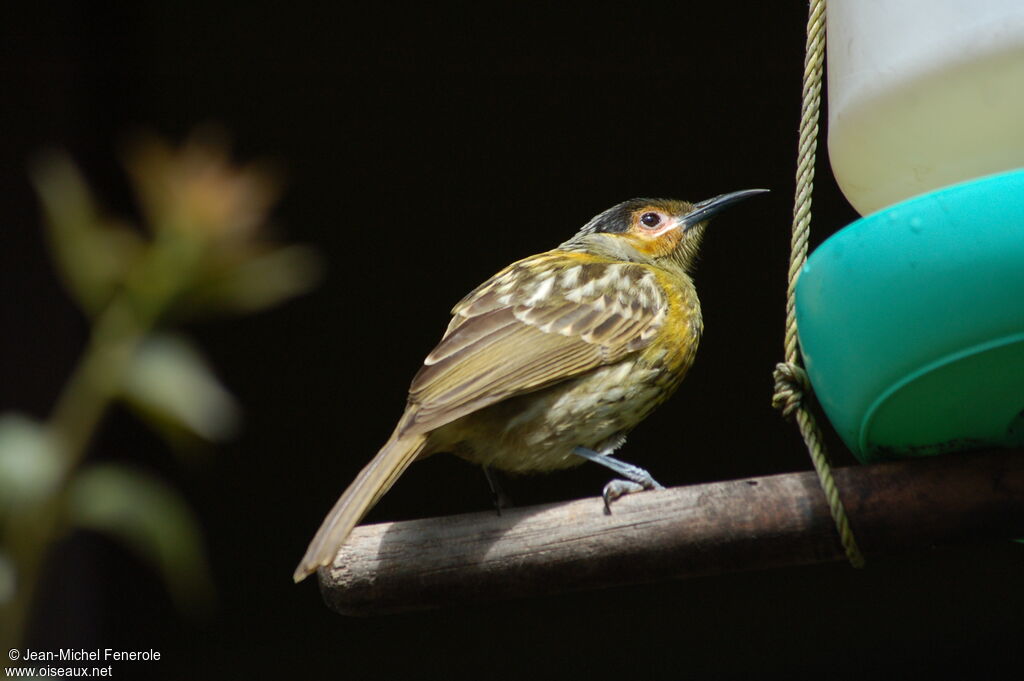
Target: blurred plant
x,y
202,253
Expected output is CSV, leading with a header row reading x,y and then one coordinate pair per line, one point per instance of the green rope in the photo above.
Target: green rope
x,y
791,382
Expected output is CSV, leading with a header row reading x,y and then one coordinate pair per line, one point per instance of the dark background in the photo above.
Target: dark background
x,y
425,148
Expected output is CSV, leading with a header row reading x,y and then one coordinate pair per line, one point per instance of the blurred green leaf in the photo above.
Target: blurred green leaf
x,y
170,383
30,464
151,519
258,282
93,255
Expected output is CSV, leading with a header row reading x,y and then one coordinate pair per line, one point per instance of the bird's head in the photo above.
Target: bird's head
x,y
654,231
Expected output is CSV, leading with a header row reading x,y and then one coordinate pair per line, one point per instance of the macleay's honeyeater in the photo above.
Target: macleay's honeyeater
x,y
553,360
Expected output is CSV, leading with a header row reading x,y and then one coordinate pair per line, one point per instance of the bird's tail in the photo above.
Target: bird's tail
x,y
366,490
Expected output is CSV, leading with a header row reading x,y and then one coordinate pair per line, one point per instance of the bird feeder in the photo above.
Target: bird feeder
x,y
911,319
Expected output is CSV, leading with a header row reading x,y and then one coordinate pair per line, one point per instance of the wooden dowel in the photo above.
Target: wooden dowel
x,y
714,528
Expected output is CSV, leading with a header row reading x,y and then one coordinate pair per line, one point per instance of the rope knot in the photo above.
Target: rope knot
x,y
790,385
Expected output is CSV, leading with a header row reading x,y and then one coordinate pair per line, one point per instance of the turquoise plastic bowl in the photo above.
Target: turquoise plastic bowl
x,y
911,322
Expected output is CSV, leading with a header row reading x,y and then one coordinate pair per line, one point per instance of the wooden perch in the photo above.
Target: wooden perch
x,y
707,529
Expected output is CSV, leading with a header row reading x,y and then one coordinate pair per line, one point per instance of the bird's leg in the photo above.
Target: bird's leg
x,y
498,495
637,479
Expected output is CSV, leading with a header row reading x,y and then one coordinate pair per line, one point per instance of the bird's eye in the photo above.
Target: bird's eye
x,y
650,219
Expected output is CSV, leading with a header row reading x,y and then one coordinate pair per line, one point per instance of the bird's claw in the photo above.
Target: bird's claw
x,y
637,479
617,488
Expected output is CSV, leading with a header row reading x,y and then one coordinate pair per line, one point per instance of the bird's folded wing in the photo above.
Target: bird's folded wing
x,y
539,321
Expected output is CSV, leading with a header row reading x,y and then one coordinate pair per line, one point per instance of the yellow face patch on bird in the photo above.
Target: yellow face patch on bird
x,y
657,229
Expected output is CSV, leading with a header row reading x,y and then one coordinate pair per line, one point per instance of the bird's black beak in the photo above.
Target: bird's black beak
x,y
705,210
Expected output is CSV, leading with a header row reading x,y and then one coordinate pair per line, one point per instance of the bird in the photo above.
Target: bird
x,y
553,360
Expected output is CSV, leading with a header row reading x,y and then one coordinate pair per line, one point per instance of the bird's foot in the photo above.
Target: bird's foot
x,y
617,488
637,479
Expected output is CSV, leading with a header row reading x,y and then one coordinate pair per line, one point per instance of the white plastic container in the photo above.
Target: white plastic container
x,y
922,94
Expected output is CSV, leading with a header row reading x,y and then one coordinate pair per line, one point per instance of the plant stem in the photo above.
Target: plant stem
x,y
84,400
96,380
